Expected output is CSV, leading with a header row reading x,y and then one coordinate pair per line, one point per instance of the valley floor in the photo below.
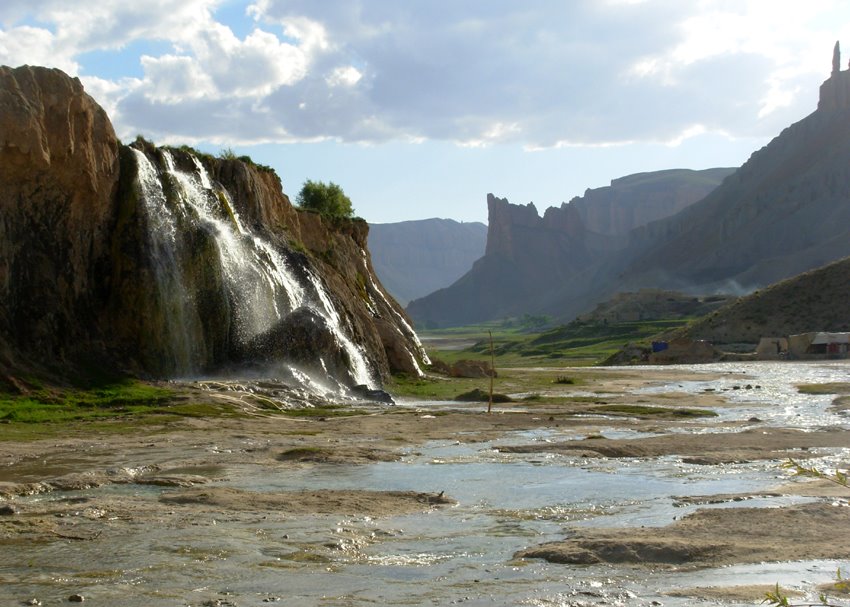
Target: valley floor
x,y
142,511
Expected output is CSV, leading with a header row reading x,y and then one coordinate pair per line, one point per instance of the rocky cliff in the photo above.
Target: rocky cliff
x,y
534,263
415,258
59,160
161,262
637,200
784,212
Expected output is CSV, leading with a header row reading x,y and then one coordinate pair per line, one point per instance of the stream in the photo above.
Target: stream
x,y
459,554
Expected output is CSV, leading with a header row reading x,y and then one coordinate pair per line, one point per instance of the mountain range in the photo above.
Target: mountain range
x,y
785,211
529,258
415,258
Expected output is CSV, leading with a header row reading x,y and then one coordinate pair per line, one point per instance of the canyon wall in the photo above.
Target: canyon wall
x,y
161,262
415,258
536,264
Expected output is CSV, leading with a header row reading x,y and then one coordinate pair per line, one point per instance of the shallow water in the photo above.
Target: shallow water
x,y
452,555
768,391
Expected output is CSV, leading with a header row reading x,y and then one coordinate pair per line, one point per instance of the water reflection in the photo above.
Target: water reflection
x,y
460,554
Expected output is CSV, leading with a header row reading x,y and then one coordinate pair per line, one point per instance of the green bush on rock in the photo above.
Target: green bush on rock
x,y
325,198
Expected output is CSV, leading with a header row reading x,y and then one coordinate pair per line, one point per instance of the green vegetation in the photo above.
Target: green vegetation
x,y
528,322
430,388
114,406
52,405
229,154
577,343
829,388
327,199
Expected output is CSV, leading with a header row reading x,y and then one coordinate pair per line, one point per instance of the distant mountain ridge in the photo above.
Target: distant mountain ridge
x,y
414,258
785,211
529,257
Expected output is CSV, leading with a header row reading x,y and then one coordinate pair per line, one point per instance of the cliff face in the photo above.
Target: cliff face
x,y
553,264
637,200
784,212
414,258
161,262
58,178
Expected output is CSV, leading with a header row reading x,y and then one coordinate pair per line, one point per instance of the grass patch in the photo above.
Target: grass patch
x,y
323,411
120,406
431,388
829,388
579,343
647,411
55,405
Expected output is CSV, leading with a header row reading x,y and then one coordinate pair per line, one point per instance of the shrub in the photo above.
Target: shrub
x,y
326,199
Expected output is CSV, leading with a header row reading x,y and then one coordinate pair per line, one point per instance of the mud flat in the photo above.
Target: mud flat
x,y
436,502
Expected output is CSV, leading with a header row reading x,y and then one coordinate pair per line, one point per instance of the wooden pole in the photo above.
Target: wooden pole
x,y
492,372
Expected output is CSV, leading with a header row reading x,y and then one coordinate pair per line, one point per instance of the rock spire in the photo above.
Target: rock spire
x,y
835,92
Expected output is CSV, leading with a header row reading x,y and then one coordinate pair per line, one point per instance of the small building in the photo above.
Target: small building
x,y
772,348
819,345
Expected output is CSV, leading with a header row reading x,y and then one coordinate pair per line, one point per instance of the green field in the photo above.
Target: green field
x,y
575,344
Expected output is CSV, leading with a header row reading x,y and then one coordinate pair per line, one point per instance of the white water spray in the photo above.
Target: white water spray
x,y
262,288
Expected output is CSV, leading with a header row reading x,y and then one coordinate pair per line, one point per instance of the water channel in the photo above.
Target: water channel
x,y
462,554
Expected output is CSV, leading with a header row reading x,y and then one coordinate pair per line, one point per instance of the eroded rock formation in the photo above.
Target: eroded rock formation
x,y
159,262
784,212
58,179
415,258
537,263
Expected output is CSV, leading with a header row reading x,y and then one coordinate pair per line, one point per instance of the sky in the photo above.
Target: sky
x,y
419,108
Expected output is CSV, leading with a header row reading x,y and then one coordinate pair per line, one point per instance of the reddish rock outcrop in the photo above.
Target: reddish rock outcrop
x,y
81,270
58,177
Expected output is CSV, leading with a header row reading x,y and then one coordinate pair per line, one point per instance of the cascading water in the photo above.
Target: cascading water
x,y
360,369
401,321
261,288
259,283
180,316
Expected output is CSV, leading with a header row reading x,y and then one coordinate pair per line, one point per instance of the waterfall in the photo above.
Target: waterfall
x,y
360,369
423,355
176,303
261,289
258,280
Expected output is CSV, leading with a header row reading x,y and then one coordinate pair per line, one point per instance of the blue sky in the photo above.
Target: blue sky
x,y
419,108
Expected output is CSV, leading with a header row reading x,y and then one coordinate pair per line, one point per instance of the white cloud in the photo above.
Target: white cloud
x,y
255,66
344,76
543,73
34,46
172,79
